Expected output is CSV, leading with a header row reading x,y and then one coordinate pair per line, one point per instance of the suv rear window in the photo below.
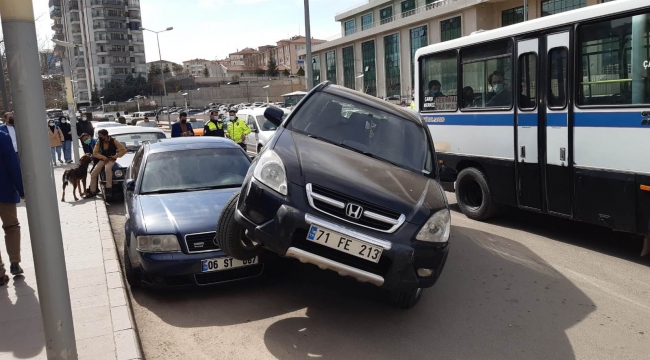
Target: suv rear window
x,y
364,129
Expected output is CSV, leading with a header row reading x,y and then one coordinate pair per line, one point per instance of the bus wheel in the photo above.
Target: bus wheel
x,y
474,196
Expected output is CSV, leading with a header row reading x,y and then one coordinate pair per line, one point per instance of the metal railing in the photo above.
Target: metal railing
x,y
107,2
353,7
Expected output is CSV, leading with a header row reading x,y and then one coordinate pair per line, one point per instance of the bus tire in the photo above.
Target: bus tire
x,y
474,195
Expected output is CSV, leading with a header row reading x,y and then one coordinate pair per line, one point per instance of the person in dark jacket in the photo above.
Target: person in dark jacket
x,y
182,127
84,126
11,191
64,125
214,127
107,150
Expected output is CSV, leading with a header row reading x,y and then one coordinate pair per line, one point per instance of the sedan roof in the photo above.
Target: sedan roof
x,y
119,130
192,142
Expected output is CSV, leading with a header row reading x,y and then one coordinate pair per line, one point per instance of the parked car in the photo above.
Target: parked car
x,y
104,125
172,210
359,195
112,103
150,123
197,126
262,130
132,137
131,100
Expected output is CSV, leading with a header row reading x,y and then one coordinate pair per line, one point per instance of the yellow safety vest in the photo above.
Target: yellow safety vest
x,y
236,129
413,105
212,126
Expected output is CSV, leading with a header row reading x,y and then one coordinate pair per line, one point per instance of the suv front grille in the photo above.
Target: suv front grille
x,y
201,242
335,204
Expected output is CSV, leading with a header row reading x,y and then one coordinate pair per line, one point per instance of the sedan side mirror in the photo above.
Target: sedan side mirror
x,y
130,185
274,115
447,174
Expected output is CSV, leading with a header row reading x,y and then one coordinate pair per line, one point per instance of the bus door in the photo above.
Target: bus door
x,y
558,154
529,172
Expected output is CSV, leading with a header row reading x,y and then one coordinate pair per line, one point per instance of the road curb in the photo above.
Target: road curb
x,y
128,345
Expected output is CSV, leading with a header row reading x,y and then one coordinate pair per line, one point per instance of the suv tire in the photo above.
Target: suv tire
x,y
230,235
474,195
406,299
129,273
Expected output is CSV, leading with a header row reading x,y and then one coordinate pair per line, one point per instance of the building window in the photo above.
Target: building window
x,y
369,70
550,7
408,8
418,40
366,21
316,69
386,15
348,67
330,64
132,59
512,16
450,29
349,27
391,58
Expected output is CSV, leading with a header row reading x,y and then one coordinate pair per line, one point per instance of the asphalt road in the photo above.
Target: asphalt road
x,y
523,286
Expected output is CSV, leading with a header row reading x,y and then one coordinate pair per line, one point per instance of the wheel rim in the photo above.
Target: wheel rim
x,y
246,242
471,194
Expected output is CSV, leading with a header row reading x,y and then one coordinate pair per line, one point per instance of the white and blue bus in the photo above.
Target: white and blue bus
x,y
550,115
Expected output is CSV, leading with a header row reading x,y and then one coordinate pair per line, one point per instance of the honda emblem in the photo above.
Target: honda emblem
x,y
354,211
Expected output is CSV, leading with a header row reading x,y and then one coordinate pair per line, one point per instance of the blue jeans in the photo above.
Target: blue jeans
x,y
67,150
58,152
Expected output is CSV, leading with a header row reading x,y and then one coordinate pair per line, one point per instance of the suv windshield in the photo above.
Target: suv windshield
x,y
191,170
365,130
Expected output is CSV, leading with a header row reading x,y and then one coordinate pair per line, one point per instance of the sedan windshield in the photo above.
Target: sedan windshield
x,y
265,124
195,169
366,130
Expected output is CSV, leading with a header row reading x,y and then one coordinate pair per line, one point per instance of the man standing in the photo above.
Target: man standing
x,y
107,150
84,127
182,127
237,129
11,191
9,129
214,127
64,125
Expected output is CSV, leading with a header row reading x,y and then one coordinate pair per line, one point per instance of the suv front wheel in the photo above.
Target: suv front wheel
x,y
406,299
231,237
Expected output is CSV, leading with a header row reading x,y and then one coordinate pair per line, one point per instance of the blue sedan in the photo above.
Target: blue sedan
x,y
174,192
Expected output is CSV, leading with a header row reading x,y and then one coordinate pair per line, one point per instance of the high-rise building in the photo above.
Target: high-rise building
x,y
108,38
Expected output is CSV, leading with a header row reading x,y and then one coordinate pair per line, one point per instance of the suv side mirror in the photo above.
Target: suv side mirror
x,y
447,174
274,115
130,185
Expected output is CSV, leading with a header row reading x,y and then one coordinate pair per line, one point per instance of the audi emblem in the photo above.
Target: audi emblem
x,y
354,211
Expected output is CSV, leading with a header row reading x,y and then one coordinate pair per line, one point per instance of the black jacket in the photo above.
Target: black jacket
x,y
217,132
65,129
85,127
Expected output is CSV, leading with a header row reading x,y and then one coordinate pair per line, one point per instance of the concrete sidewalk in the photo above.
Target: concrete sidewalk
x,y
104,328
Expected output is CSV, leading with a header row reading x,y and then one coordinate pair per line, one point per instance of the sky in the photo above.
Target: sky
x,y
212,29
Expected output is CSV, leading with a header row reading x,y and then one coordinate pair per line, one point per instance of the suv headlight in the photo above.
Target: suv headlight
x,y
437,228
158,243
270,172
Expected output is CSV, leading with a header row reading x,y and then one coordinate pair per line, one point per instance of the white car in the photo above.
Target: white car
x,y
262,129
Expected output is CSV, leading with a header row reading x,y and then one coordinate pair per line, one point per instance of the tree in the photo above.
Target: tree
x,y
259,71
166,69
286,72
206,72
272,67
94,98
177,69
154,78
301,72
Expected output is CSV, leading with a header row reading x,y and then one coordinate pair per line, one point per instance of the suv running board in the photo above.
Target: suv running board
x,y
341,269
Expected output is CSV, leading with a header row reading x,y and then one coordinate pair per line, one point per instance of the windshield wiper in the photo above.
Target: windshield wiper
x,y
369,154
215,187
171,191
165,191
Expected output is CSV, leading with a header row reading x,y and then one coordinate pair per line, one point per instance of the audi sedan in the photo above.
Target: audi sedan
x,y
174,192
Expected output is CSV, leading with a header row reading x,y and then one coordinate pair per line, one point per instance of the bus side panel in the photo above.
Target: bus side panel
x,y
643,204
606,198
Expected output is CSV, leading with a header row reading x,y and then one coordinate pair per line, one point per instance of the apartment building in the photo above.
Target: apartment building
x,y
286,53
379,38
162,64
108,38
195,67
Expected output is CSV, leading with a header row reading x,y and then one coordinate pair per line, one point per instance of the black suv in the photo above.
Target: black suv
x,y
348,183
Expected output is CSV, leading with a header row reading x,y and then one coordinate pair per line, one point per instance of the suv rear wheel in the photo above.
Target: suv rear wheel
x,y
474,195
231,237
406,299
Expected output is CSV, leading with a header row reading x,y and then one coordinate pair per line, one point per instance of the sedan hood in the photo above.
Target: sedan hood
x,y
183,213
125,161
359,176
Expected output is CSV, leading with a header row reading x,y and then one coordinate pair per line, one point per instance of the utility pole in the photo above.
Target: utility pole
x,y
3,87
19,30
162,72
309,75
525,10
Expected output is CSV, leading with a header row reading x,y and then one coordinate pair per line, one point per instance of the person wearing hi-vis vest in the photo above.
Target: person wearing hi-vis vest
x,y
237,130
214,127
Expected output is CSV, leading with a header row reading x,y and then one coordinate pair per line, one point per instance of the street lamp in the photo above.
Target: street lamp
x,y
185,95
163,73
138,97
69,96
267,92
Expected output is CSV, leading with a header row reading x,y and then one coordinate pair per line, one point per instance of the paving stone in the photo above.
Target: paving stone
x,y
126,345
121,318
117,297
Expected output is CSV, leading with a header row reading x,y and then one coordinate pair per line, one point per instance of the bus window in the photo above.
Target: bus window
x,y
528,81
558,78
487,75
439,82
615,64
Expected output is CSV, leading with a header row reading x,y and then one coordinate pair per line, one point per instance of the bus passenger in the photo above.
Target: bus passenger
x,y
468,97
434,89
500,95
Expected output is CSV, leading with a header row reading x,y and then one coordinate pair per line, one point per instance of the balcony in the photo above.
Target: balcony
x,y
74,6
58,37
54,3
55,13
133,3
119,53
117,41
81,63
57,27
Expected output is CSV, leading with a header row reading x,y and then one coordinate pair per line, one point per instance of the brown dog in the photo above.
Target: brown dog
x,y
76,176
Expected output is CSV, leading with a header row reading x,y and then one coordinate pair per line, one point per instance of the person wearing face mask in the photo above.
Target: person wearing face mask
x,y
182,128
500,95
434,89
214,127
9,129
84,127
56,141
64,125
237,129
